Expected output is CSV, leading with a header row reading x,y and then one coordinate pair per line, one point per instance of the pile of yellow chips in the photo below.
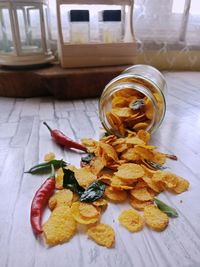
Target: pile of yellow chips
x,y
123,165
126,116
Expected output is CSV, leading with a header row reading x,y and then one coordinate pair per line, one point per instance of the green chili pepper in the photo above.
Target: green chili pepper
x,y
46,166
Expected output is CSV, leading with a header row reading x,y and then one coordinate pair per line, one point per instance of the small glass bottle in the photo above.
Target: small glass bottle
x,y
79,22
133,101
110,26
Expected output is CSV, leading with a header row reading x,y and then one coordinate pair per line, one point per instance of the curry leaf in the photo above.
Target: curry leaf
x,y
138,104
70,182
171,212
155,165
94,191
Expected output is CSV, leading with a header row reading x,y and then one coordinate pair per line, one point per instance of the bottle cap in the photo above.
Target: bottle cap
x,y
79,15
111,15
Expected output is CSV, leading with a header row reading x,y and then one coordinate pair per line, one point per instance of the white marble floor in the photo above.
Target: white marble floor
x,y
24,141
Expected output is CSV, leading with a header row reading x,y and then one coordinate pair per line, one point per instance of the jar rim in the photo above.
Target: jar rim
x,y
135,86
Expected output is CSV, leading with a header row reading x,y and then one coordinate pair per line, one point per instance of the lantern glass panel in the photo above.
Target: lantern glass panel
x,y
47,30
6,39
29,29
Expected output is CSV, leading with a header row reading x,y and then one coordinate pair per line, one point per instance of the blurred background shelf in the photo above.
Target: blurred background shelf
x,y
54,81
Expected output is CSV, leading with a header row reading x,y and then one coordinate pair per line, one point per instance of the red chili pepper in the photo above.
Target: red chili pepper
x,y
39,202
63,140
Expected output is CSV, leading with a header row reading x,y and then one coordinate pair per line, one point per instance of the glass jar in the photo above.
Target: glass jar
x,y
133,101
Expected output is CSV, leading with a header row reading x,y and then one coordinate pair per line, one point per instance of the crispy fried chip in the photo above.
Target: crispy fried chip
x,y
181,186
168,179
88,210
60,227
60,198
130,171
119,183
138,204
90,144
153,185
155,218
75,210
131,220
49,156
130,155
84,176
101,202
141,193
144,135
115,194
97,165
59,179
102,234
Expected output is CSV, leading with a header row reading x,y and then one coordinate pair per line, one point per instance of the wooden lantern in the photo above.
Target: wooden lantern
x,y
24,33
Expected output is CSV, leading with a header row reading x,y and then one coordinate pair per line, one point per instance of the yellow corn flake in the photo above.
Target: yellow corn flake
x,y
75,210
108,139
97,165
149,172
144,152
149,111
168,179
144,135
60,227
119,102
115,194
115,122
130,171
59,179
102,234
60,198
88,210
138,204
122,112
155,218
134,141
153,185
118,183
159,158
181,186
131,220
141,193
140,126
120,148
130,155
90,144
101,202
109,151
49,156
84,176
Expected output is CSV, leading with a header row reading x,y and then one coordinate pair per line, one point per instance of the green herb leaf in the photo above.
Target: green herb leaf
x,y
88,158
70,182
138,104
154,165
94,191
46,166
171,212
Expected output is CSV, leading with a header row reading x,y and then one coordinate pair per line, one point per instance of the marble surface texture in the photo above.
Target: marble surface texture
x,y
24,141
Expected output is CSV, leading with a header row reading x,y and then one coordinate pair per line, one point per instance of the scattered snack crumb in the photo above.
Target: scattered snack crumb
x,y
49,156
